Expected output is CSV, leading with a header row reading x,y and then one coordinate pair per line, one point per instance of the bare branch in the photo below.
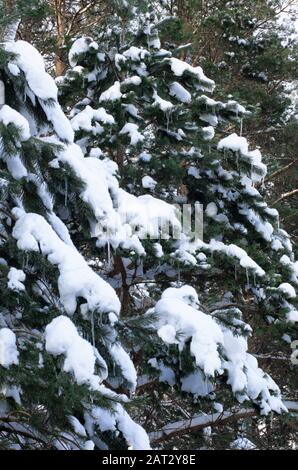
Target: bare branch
x,y
198,422
286,196
279,172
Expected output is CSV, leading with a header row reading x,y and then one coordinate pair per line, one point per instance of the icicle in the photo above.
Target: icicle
x,y
2,93
235,272
179,358
168,119
241,126
247,278
109,254
25,261
263,182
254,277
205,385
278,222
66,192
92,328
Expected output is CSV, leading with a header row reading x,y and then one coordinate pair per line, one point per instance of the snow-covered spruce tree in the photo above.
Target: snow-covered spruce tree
x,y
142,107
54,385
253,46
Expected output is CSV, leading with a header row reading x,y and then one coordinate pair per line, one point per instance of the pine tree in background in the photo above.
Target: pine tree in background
x,y
252,55
150,113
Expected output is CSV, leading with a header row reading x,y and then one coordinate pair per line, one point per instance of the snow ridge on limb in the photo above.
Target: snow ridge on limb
x,y
76,279
40,85
215,348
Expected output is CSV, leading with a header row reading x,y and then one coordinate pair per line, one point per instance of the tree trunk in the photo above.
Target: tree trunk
x,y
2,93
60,25
122,291
9,31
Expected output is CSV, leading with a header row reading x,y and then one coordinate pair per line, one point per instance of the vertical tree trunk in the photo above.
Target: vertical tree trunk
x,y
9,31
60,24
2,93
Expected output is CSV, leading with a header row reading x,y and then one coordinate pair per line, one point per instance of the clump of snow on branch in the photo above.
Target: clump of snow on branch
x,y
8,348
76,279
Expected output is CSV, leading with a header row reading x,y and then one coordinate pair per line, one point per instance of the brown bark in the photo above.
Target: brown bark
x,y
123,291
9,32
60,25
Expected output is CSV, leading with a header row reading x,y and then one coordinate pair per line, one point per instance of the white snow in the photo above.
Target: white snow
x,y
242,443
208,132
134,80
31,63
16,277
111,94
178,67
62,337
211,209
234,142
215,349
168,334
158,250
118,419
8,349
148,182
83,120
14,162
287,289
10,116
98,176
149,214
218,407
145,157
292,314
185,293
263,227
247,380
77,426
133,132
237,252
78,47
190,324
76,278
180,93
122,359
162,104
14,69
293,266
197,384
117,212
239,145
41,84
135,54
